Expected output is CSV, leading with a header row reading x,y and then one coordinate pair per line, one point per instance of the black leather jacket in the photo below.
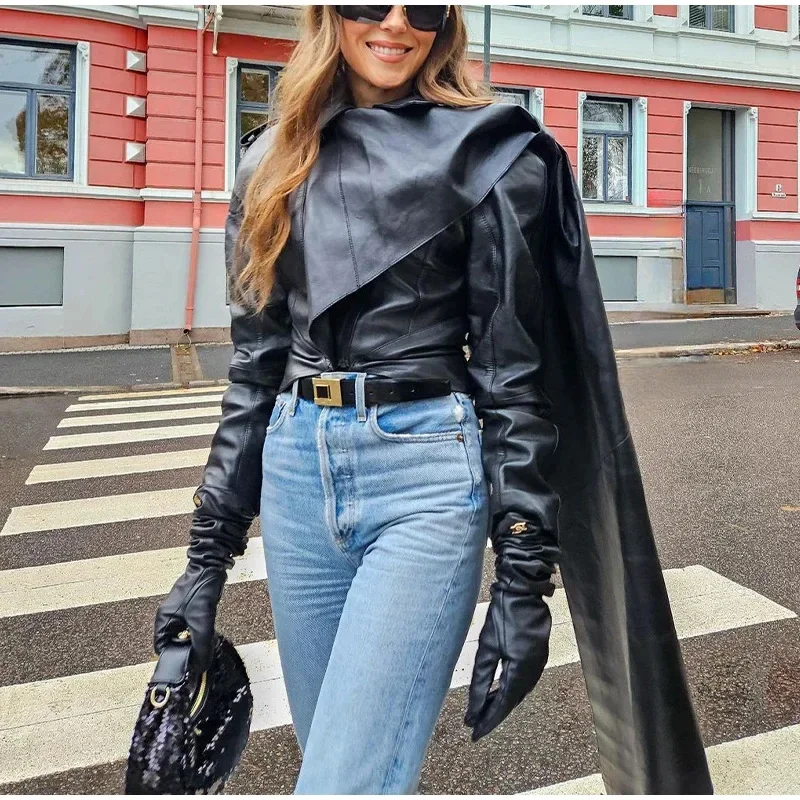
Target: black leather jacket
x,y
423,226
343,302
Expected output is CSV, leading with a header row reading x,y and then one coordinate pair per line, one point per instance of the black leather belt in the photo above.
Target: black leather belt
x,y
342,391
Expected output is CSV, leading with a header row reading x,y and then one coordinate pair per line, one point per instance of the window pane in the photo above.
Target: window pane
x,y
704,154
595,11
52,135
251,119
518,97
40,65
621,12
721,18
605,116
255,86
618,168
31,276
12,132
593,167
697,16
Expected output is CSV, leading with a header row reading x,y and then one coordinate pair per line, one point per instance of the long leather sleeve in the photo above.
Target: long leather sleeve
x,y
228,498
505,321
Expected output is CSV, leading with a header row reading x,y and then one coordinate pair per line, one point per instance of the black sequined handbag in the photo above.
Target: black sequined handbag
x,y
192,727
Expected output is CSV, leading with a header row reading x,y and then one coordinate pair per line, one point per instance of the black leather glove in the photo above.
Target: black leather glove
x,y
516,631
216,536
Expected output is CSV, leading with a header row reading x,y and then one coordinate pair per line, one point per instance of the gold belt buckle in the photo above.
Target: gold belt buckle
x,y
327,391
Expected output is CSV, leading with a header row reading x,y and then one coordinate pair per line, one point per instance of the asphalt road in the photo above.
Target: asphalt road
x,y
132,366
717,445
659,333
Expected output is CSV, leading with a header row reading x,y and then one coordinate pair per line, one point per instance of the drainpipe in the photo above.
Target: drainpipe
x,y
198,177
487,46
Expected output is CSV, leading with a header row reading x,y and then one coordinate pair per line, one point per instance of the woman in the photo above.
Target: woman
x,y
393,210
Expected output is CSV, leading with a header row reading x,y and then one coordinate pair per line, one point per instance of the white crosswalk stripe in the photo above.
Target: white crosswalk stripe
x,y
765,764
85,719
140,416
117,405
124,465
154,393
98,510
129,436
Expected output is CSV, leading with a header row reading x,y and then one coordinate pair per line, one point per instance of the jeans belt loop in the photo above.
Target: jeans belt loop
x,y
295,389
361,401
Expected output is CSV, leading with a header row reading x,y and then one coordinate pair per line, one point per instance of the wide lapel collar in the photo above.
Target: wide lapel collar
x,y
390,177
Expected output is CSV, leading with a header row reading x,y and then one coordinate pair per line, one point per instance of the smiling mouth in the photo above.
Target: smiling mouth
x,y
388,51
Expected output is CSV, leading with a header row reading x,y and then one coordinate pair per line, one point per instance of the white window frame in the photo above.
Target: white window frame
x,y
535,98
638,164
746,155
744,22
231,70
80,132
794,23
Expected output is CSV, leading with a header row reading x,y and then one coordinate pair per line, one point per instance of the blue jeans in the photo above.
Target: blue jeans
x,y
374,522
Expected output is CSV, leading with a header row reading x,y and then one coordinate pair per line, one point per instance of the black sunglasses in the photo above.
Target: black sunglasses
x,y
423,18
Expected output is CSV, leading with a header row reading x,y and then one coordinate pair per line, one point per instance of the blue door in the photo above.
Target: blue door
x,y
705,247
710,209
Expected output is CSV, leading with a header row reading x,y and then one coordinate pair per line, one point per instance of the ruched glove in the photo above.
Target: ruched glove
x,y
217,535
516,631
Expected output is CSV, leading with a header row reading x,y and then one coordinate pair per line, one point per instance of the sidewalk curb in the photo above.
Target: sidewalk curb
x,y
38,391
672,351
714,349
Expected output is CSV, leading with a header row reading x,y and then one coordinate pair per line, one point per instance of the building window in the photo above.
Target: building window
x,y
606,150
31,276
37,110
254,87
615,12
532,99
713,18
519,97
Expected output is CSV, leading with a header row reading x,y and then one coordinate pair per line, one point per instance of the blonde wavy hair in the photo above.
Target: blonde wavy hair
x,y
302,91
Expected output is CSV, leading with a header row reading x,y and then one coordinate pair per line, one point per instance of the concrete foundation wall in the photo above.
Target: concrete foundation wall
x,y
129,284
97,283
775,267
160,275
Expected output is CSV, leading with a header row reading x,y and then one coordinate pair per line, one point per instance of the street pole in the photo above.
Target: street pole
x,y
487,36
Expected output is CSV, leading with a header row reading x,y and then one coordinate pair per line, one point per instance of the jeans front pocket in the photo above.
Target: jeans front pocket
x,y
279,412
434,419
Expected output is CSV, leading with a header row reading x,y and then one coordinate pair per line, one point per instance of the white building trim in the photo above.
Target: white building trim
x,y
639,152
24,186
746,161
231,68
751,165
81,130
180,195
560,35
138,16
537,103
687,105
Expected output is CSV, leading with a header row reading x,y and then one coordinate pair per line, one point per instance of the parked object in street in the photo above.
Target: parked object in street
x,y
797,293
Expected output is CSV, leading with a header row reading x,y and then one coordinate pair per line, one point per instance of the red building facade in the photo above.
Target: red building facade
x,y
116,163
